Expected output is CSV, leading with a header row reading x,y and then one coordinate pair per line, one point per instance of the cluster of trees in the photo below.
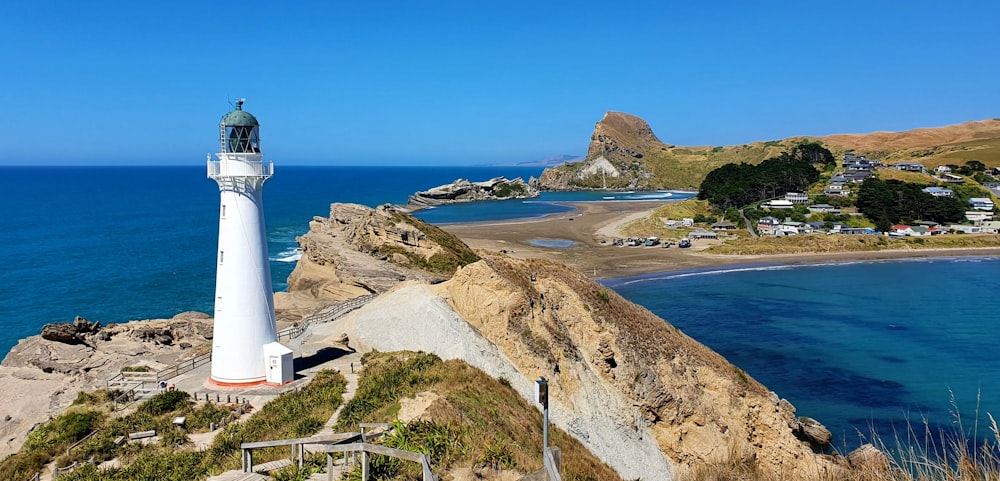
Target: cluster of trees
x,y
892,202
970,167
737,185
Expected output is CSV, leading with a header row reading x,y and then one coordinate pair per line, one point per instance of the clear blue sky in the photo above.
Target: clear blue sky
x,y
362,82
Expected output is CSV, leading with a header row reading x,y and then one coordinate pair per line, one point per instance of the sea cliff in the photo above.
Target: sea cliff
x,y
645,398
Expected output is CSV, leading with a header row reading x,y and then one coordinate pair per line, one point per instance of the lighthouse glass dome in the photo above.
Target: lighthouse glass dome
x,y
239,132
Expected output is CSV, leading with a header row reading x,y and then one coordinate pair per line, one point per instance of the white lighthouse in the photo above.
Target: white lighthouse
x,y
244,300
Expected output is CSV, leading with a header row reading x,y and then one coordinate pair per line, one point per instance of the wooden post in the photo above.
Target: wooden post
x,y
329,466
426,467
364,465
302,454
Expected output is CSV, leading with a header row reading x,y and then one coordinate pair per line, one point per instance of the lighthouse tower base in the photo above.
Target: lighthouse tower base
x,y
278,362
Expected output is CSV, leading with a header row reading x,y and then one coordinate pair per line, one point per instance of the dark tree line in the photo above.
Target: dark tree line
x,y
892,202
737,185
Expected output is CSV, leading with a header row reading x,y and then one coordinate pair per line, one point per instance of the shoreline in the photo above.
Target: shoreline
x,y
593,222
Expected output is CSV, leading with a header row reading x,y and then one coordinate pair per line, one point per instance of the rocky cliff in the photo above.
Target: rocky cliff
x,y
42,374
637,392
615,158
641,395
358,250
462,190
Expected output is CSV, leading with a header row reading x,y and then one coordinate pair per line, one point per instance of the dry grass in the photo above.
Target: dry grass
x,y
905,176
653,225
486,419
812,244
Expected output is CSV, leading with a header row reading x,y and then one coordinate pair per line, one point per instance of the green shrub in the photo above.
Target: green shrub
x,y
165,402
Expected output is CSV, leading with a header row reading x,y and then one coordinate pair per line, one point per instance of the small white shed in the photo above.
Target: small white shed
x,y
278,364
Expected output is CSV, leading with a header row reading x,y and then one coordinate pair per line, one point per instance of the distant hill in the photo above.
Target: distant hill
x,y
625,153
553,161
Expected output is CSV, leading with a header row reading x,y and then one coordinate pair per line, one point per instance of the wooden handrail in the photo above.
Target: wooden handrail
x,y
326,315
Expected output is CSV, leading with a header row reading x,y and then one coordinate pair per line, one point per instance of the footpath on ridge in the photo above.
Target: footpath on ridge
x,y
320,347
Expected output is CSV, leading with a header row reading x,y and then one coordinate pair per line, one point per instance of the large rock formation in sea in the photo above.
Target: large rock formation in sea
x,y
462,190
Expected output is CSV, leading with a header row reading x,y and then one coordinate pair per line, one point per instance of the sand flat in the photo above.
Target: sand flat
x,y
594,222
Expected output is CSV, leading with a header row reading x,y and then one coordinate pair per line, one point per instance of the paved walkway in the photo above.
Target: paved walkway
x,y
318,349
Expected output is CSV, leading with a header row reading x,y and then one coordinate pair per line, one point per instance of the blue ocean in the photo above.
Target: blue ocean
x,y
856,346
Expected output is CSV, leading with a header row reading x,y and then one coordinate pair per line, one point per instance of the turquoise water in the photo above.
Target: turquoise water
x,y
114,244
858,345
851,345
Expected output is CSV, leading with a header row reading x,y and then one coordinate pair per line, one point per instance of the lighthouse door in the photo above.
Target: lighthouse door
x,y
274,369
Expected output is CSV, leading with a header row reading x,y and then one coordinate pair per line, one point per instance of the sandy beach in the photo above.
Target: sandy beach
x,y
593,226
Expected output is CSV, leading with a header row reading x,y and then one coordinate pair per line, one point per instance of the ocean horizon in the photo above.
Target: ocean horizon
x,y
846,343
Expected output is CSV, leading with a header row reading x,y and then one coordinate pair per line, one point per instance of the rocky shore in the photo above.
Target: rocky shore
x,y
41,376
648,400
462,190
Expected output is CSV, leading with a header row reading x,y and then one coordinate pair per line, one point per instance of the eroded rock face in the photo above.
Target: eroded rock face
x,y
463,190
694,405
63,332
357,251
42,374
646,399
614,158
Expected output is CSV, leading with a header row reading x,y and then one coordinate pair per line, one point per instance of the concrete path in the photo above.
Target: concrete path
x,y
320,348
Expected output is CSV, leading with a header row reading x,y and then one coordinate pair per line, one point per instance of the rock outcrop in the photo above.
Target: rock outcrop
x,y
41,376
615,158
359,250
642,396
462,190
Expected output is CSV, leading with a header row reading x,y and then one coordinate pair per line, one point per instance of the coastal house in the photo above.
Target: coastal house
x,y
793,228
857,176
951,179
777,204
702,234
978,216
840,229
723,225
990,227
939,191
797,198
823,209
910,167
687,221
902,230
981,203
965,229
942,169
859,162
836,190
768,225
921,231
817,226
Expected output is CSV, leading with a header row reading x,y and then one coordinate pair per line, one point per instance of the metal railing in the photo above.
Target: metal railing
x,y
182,367
326,315
240,168
74,445
135,383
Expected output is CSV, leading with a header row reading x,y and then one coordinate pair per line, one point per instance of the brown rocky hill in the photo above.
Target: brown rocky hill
x,y
624,153
359,250
645,398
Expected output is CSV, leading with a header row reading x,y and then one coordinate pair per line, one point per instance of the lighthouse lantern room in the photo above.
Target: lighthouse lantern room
x,y
244,299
